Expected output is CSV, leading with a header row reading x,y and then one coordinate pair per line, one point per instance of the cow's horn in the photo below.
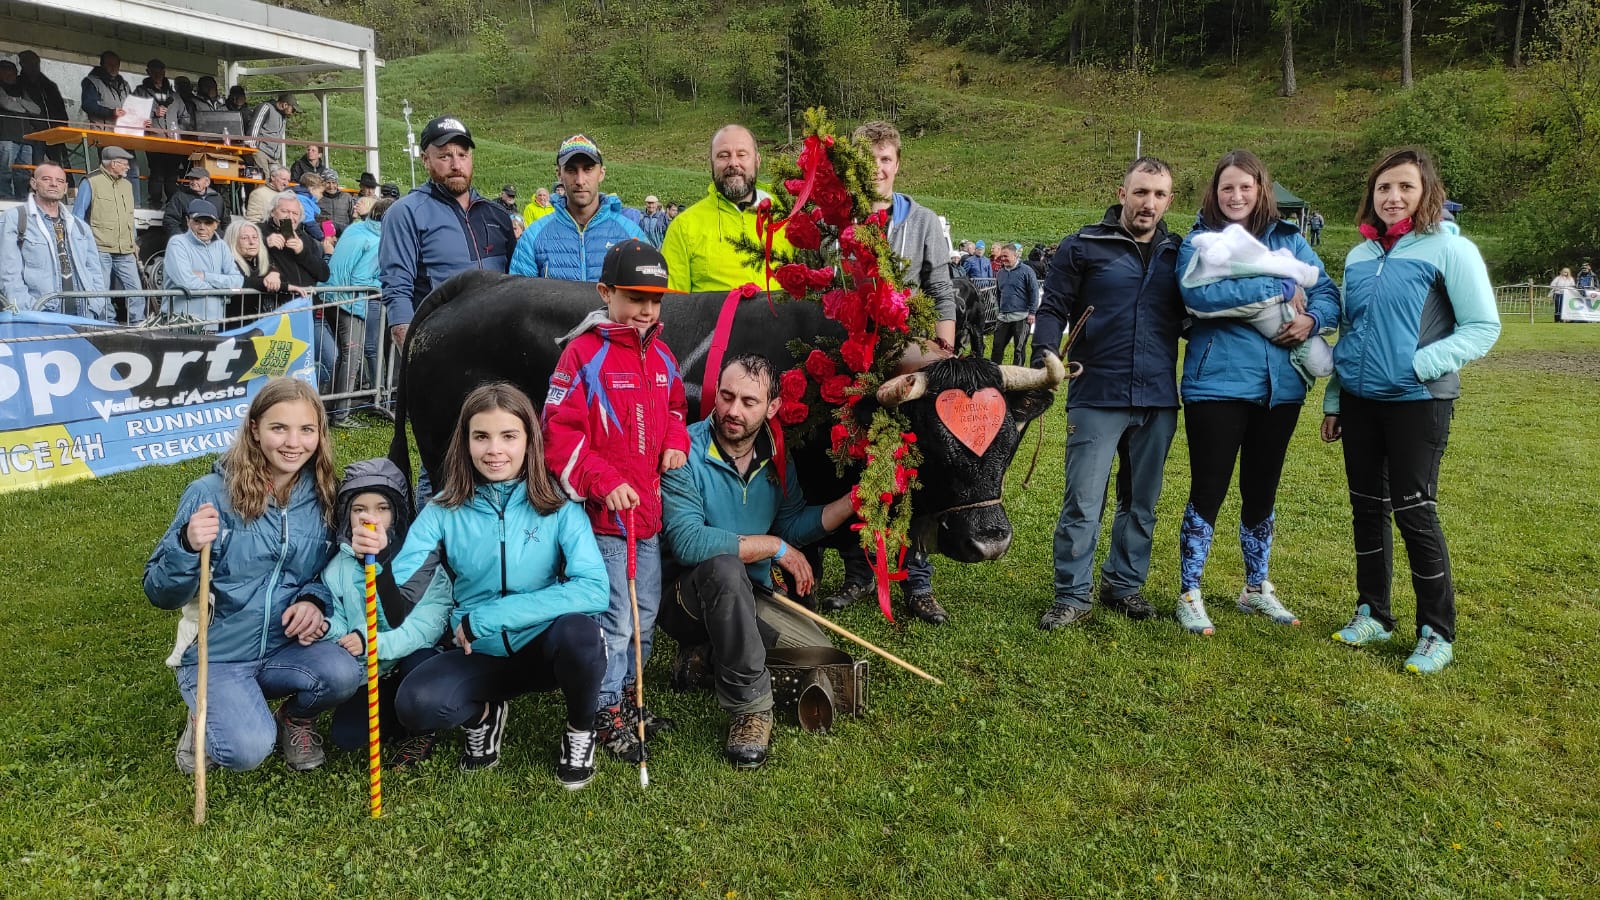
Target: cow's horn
x,y
1019,378
902,388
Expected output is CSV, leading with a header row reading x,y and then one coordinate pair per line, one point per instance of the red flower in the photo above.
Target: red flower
x,y
749,289
793,185
765,206
819,279
889,307
820,365
858,349
909,437
839,435
792,386
793,278
879,218
858,450
793,413
886,498
833,388
846,308
802,232
902,478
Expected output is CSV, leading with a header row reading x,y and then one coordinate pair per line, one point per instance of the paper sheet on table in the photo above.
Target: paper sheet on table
x,y
135,112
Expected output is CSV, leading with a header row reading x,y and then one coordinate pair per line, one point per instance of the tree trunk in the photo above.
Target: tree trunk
x,y
1516,40
1287,89
1405,43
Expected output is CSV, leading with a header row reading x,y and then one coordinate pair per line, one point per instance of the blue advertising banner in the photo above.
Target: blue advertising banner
x,y
85,403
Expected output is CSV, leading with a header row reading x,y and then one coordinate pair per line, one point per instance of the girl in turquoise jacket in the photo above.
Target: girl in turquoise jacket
x,y
1417,307
529,582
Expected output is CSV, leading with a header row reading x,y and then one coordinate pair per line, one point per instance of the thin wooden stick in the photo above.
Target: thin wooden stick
x,y
638,646
201,656
836,629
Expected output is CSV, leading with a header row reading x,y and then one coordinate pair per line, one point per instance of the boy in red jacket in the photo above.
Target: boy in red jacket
x,y
614,420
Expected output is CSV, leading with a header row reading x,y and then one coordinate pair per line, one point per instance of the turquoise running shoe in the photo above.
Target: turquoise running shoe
x,y
1362,630
1192,613
1432,654
1264,601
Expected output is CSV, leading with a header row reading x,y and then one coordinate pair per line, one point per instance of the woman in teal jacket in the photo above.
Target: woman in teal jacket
x,y
1241,394
1418,305
529,584
264,512
354,262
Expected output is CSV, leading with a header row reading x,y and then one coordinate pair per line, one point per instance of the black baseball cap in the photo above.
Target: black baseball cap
x,y
445,129
202,209
636,266
509,189
368,180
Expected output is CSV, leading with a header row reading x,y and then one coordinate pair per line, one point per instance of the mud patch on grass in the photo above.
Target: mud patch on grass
x,y
1550,362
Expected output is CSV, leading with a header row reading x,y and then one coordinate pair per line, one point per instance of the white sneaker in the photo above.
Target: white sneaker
x,y
1264,601
1191,613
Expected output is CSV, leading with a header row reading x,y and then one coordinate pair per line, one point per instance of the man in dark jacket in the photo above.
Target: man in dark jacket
x,y
334,203
196,185
47,94
293,247
1018,302
1125,404
168,116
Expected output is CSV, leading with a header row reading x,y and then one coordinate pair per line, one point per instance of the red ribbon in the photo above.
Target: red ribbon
x,y
880,568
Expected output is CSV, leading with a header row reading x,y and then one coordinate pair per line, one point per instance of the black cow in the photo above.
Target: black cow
x,y
481,327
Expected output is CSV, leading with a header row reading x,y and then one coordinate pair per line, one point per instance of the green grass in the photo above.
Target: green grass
x,y
1118,759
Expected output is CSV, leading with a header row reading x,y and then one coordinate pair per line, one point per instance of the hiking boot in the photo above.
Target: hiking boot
x,y
1362,630
1432,654
1134,605
618,735
748,739
482,749
1264,601
924,607
185,754
300,743
1061,615
691,668
632,713
413,750
576,767
1191,613
847,595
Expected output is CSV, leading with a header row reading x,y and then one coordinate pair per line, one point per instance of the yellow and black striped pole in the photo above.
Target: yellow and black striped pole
x,y
374,762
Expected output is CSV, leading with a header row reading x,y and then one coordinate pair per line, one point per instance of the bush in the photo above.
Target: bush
x,y
1461,118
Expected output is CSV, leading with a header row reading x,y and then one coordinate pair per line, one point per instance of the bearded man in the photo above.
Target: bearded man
x,y
697,249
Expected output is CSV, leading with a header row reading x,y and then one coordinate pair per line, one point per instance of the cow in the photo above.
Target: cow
x,y
482,326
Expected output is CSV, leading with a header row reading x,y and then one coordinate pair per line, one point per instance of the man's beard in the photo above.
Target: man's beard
x,y
735,186
456,184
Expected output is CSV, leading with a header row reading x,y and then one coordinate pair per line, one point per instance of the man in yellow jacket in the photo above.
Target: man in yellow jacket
x,y
697,249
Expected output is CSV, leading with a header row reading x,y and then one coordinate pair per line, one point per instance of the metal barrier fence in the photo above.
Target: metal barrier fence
x,y
377,397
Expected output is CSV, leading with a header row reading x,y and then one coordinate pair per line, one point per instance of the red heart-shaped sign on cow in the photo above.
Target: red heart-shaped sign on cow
x,y
973,418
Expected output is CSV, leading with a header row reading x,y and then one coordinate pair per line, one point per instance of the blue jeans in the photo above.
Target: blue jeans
x,y
374,334
617,620
858,569
327,353
240,731
14,184
1138,438
122,274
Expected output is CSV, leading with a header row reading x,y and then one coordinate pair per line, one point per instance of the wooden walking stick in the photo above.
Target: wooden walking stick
x,y
638,647
374,743
203,598
836,629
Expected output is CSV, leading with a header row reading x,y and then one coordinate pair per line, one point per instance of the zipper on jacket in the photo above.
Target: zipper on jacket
x,y
501,512
283,554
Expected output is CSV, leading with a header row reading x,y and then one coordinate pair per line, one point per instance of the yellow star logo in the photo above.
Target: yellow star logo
x,y
275,352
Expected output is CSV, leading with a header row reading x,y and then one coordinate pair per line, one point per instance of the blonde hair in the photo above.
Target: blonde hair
x,y
231,238
244,466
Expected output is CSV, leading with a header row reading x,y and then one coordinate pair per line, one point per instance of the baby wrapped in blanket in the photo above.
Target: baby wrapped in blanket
x,y
1235,253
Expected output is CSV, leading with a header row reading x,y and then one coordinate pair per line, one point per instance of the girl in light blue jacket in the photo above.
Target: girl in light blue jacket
x,y
529,584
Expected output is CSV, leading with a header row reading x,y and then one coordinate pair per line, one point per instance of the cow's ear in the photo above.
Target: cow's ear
x,y
1026,406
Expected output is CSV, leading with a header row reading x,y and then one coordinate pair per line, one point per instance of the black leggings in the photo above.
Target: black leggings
x,y
1392,452
349,727
451,688
1220,431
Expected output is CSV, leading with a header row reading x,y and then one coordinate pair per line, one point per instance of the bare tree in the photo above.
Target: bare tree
x,y
1405,43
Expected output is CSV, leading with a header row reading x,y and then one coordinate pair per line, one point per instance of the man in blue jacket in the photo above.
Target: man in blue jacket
x,y
570,243
1125,404
729,515
1019,303
440,228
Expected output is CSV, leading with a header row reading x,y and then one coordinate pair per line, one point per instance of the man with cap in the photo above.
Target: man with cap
x,y
105,201
508,199
197,261
271,120
45,249
654,221
368,186
338,206
538,207
439,229
696,244
571,242
196,185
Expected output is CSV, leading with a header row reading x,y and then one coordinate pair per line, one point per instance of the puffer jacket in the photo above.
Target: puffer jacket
x,y
515,570
555,247
258,568
30,269
615,404
697,249
427,238
355,261
1411,317
1129,347
1228,359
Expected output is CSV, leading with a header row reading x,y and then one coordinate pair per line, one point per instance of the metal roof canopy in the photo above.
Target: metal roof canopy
x,y
197,35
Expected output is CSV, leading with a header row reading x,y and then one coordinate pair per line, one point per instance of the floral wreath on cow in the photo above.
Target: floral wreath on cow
x,y
822,204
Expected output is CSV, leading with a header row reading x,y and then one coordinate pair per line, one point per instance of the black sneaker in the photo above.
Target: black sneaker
x,y
749,737
1062,615
632,713
1134,606
847,595
924,607
691,668
482,750
412,750
576,767
620,739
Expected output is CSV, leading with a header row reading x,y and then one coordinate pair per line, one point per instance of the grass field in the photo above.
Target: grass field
x,y
1118,759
